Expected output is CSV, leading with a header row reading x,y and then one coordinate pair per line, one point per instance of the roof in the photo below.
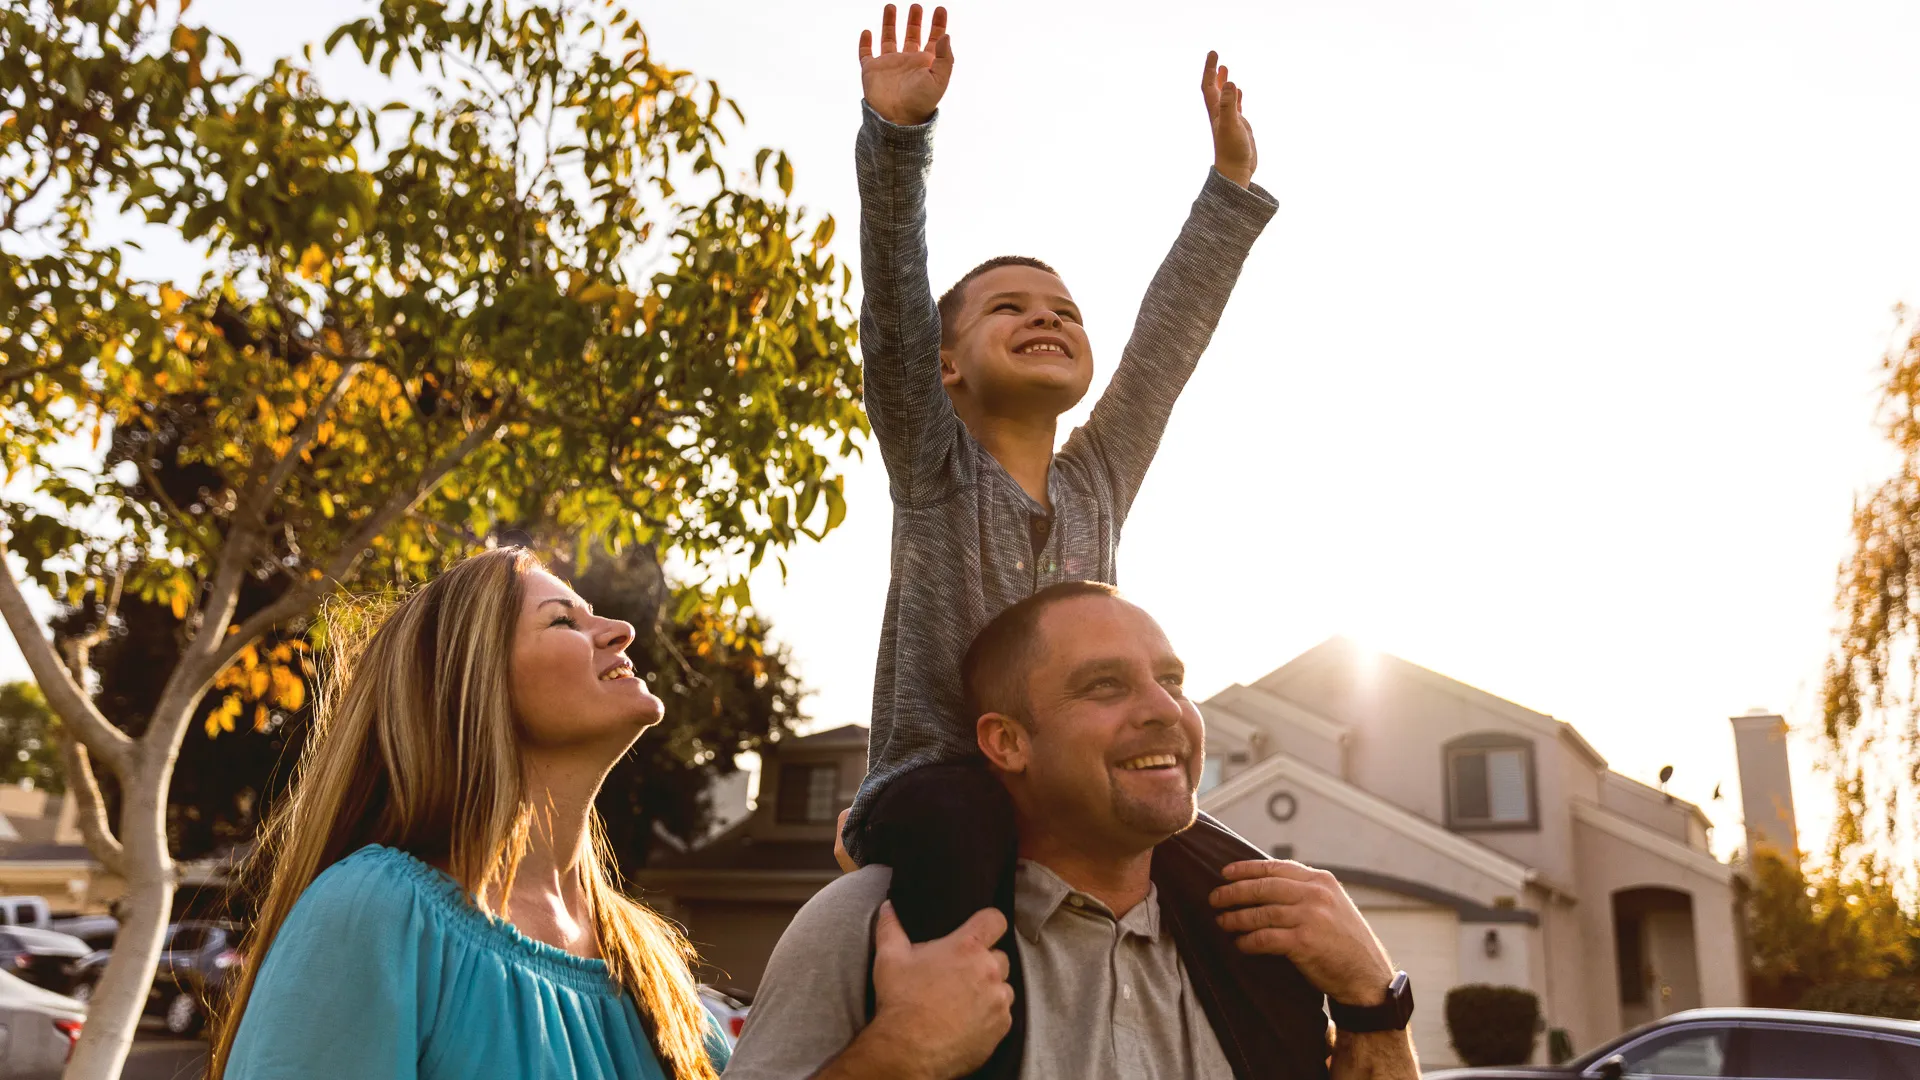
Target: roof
x,y
45,853
738,849
847,735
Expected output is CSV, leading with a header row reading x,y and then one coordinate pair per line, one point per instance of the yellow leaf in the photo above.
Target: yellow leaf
x,y
313,262
596,292
257,685
260,718
326,504
179,604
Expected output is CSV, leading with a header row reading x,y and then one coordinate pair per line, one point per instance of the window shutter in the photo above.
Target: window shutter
x,y
1470,786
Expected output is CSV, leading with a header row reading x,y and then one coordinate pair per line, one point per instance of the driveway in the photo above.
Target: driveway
x,y
163,1057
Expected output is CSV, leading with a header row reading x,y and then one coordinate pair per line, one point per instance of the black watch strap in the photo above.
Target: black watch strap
x,y
1392,1014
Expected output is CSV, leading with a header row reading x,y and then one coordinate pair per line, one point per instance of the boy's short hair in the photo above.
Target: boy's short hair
x,y
951,299
997,665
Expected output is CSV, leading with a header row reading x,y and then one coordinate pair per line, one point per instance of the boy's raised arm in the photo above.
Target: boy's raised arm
x,y
1183,303
912,419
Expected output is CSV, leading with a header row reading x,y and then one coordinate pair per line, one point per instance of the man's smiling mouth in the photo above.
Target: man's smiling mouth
x,y
1151,761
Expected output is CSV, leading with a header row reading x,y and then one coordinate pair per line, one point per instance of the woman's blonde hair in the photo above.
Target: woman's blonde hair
x,y
413,746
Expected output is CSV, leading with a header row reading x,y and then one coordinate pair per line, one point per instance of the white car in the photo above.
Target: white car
x,y
37,1029
729,1010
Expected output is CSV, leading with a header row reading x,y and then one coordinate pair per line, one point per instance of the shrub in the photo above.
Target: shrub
x,y
1865,997
1559,1046
1492,1025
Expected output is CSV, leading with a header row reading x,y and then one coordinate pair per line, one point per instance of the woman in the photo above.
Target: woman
x,y
440,902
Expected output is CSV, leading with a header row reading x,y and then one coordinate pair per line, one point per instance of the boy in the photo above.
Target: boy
x,y
964,398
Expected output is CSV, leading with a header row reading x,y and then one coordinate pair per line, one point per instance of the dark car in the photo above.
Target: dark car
x,y
195,964
44,958
1767,1044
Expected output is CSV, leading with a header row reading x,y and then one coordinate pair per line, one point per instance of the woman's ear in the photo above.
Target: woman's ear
x,y
1004,741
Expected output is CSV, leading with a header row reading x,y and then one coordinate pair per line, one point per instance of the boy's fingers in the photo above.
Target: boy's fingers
x,y
912,42
888,18
1230,100
943,55
939,28
866,45
1208,89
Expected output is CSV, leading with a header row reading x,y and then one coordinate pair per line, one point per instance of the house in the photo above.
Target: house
x,y
1486,842
736,893
43,854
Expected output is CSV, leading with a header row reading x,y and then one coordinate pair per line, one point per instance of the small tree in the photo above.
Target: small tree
x,y
28,750
1836,926
416,321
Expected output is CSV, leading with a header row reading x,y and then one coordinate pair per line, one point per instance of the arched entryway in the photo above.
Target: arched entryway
x,y
1657,957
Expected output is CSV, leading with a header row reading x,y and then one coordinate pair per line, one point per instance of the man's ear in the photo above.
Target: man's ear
x,y
949,375
1004,740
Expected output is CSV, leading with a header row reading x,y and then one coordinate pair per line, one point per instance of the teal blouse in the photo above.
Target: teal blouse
x,y
386,969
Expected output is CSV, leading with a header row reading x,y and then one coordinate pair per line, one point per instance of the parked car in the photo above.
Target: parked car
x,y
98,931
25,911
44,958
729,1010
1775,1044
41,1028
195,963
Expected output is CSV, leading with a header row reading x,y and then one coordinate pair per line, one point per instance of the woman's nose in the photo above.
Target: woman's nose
x,y
616,634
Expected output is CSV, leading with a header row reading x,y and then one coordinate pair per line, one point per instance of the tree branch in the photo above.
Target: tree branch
x,y
69,700
208,537
90,810
301,598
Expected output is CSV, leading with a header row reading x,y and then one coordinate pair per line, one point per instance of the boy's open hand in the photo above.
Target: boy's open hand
x,y
904,84
1233,152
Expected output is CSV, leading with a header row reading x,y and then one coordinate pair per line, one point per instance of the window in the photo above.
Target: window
x,y
809,794
1687,1052
1810,1054
1490,783
1903,1059
1210,768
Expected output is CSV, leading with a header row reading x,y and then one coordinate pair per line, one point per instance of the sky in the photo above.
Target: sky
x,y
1556,371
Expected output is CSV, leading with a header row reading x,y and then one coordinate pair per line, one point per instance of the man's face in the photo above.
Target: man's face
x,y
1114,750
1018,345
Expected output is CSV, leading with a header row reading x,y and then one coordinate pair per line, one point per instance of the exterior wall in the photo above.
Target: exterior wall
x,y
1609,865
734,938
1571,977
1402,719
1647,806
852,767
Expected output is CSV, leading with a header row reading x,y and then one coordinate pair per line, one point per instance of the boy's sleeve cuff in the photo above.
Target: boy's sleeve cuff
x,y
897,136
1251,206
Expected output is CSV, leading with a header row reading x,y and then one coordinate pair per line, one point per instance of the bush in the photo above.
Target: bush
x,y
1492,1025
1865,997
1559,1046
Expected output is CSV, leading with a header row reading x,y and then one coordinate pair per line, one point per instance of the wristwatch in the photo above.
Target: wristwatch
x,y
1390,1015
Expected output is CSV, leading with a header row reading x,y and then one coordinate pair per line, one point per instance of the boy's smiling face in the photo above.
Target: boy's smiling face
x,y
1016,346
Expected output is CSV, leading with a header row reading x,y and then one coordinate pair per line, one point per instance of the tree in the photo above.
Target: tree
x,y
27,750
535,293
1871,711
1842,924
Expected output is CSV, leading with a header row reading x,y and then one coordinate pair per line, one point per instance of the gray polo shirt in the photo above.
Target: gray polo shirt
x,y
1107,999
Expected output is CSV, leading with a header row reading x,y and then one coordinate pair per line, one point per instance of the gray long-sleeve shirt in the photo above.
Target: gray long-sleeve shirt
x,y
963,529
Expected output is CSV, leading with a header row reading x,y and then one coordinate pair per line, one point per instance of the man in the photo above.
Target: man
x,y
1082,715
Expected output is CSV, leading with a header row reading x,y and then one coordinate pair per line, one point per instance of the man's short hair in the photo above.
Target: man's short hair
x,y
952,299
998,663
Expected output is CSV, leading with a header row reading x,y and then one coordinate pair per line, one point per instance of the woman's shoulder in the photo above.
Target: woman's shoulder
x,y
377,886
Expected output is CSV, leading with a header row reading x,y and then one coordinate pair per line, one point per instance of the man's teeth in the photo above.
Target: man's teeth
x,y
1150,761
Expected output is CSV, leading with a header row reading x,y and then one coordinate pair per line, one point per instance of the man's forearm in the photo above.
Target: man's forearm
x,y
875,1054
1382,1055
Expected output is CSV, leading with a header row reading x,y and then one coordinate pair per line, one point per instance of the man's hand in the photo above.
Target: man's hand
x,y
1233,152
1286,909
904,85
944,1003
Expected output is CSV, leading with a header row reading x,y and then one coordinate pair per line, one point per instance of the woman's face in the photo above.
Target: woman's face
x,y
573,688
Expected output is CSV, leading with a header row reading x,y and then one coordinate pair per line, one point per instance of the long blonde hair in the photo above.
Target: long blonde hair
x,y
413,746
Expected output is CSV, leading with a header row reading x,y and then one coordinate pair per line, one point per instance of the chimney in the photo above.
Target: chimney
x,y
1766,788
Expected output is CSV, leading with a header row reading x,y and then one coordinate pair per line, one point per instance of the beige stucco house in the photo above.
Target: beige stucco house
x,y
1486,842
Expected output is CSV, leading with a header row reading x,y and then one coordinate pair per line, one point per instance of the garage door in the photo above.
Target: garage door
x,y
1426,945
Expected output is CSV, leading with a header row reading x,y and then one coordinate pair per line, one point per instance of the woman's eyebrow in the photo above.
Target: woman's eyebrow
x,y
564,602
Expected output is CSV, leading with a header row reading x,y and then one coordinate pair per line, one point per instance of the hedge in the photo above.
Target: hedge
x,y
1493,1025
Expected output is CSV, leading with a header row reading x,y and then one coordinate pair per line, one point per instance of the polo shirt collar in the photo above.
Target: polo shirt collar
x,y
1038,893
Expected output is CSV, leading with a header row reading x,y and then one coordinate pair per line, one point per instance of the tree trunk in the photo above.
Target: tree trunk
x,y
121,997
